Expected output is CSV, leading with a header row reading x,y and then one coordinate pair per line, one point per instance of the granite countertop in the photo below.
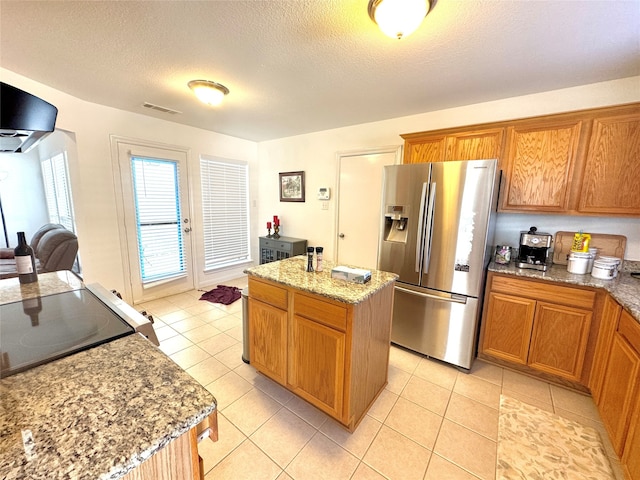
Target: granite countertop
x,y
292,272
625,289
96,414
48,284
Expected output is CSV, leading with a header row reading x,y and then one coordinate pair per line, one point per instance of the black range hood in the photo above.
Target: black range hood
x,y
24,119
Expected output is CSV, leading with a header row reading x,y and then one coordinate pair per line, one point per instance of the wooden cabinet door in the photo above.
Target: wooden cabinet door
x,y
559,340
539,163
631,456
268,340
317,364
508,325
608,325
611,179
619,390
475,145
425,150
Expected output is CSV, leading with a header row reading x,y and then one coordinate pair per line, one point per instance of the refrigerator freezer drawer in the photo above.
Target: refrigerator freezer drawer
x,y
440,327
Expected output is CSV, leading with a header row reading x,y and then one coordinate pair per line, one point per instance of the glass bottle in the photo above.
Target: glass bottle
x,y
25,261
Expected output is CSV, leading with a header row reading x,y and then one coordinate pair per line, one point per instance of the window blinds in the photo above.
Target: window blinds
x,y
157,204
225,212
58,191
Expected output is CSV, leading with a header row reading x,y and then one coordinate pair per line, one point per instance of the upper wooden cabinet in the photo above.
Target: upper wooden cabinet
x,y
611,181
469,145
538,165
577,163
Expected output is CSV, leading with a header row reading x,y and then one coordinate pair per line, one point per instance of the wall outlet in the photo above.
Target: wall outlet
x,y
325,205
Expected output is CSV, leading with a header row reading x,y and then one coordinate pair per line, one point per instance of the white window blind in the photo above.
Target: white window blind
x,y
57,191
225,212
160,241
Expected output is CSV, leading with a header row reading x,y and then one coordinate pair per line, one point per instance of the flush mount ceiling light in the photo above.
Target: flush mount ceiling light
x,y
398,18
208,92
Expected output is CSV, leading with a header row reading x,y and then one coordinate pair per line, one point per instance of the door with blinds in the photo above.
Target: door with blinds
x,y
157,220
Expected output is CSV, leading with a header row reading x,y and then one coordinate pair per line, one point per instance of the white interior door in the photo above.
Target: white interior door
x,y
156,218
359,204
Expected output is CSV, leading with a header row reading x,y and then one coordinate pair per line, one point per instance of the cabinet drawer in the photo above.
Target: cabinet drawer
x,y
267,293
278,245
629,328
550,292
322,312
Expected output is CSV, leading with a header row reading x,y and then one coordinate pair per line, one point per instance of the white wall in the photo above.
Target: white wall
x,y
92,172
94,192
22,195
315,154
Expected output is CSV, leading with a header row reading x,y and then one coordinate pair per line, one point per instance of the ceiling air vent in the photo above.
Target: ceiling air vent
x,y
160,108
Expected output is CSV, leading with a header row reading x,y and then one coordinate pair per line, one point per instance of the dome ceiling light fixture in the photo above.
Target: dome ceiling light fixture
x,y
398,18
208,92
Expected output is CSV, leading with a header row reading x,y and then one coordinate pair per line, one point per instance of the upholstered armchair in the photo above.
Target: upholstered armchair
x,y
54,246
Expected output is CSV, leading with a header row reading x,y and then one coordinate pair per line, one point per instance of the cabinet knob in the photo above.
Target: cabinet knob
x,y
341,235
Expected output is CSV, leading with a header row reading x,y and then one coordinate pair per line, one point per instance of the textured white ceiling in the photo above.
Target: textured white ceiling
x,y
300,66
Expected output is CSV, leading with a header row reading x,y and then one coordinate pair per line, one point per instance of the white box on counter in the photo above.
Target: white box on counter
x,y
356,275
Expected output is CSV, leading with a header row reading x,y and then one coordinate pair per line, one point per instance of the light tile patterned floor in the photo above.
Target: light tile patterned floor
x,y
431,422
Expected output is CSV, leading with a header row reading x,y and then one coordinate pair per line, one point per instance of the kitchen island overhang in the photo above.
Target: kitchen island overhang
x,y
99,413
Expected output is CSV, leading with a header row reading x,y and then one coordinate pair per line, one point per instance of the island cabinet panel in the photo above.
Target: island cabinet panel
x,y
177,461
268,339
508,327
539,164
540,327
317,366
559,340
611,180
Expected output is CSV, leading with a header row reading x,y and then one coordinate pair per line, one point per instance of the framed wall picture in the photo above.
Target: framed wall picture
x,y
292,186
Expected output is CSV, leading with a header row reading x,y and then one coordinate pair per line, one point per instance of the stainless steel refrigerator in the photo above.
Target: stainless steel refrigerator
x,y
437,235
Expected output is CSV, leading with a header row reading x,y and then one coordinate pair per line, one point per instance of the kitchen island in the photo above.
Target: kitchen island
x,y
119,410
326,340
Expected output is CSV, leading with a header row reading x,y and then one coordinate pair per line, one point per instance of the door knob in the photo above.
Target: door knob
x,y
341,235
187,230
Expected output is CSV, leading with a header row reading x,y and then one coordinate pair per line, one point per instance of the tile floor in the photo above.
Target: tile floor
x,y
431,422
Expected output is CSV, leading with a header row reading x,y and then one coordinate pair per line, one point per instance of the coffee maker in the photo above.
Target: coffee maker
x,y
534,250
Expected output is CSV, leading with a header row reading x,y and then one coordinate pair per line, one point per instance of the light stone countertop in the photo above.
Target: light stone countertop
x,y
292,272
625,289
48,284
96,414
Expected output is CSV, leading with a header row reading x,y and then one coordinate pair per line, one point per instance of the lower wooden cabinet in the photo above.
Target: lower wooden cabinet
x,y
631,456
618,401
317,364
559,339
542,326
507,327
268,340
608,324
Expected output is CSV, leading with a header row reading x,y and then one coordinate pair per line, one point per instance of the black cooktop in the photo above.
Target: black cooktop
x,y
39,330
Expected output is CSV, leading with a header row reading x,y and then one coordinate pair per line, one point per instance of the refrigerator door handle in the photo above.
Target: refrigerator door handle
x,y
443,297
430,210
423,198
